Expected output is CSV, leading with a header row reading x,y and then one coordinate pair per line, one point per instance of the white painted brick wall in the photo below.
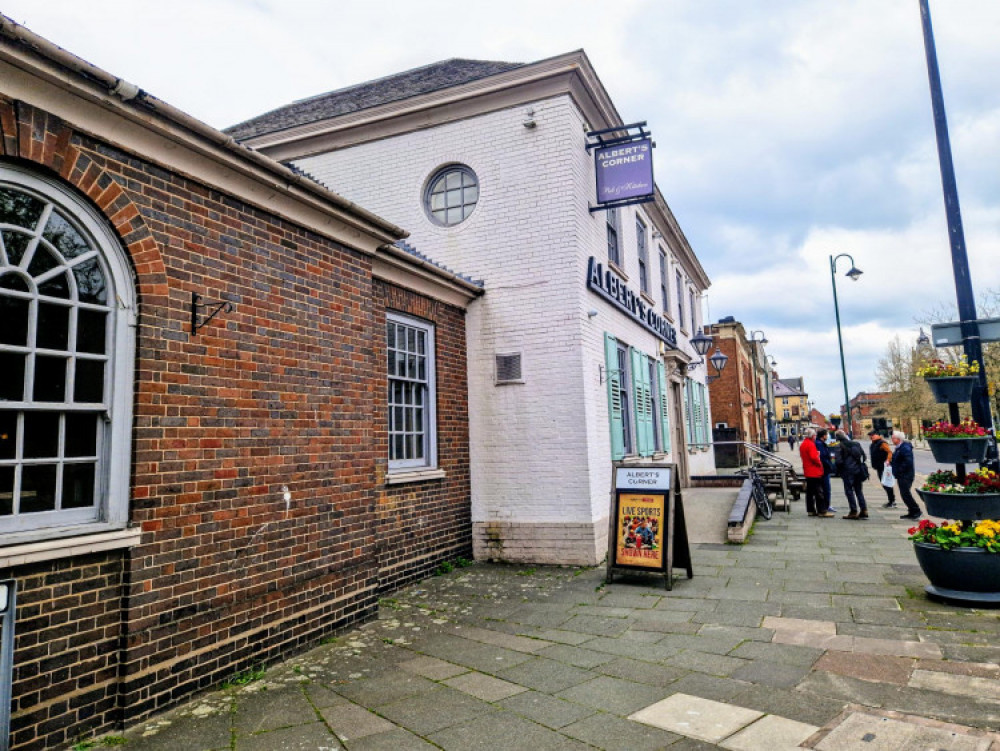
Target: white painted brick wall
x,y
540,451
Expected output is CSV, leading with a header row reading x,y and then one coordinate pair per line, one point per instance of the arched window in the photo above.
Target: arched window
x,y
66,352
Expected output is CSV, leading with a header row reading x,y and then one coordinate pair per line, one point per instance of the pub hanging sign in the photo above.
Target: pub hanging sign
x,y
623,164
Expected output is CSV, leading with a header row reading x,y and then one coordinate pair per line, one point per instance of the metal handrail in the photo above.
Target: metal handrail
x,y
784,463
757,450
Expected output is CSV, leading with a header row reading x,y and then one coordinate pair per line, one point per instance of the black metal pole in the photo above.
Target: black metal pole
x,y
959,259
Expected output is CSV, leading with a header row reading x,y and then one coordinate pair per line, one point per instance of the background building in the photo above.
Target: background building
x,y
791,404
487,164
872,410
741,395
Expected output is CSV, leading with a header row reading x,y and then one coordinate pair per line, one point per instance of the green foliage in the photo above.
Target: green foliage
x,y
242,679
106,741
445,567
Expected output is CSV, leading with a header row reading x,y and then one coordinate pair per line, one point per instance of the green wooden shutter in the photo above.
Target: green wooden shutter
x,y
650,405
705,417
617,426
688,424
661,373
699,437
640,400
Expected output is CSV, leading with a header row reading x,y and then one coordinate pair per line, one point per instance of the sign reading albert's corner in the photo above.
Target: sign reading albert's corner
x,y
624,171
647,532
612,288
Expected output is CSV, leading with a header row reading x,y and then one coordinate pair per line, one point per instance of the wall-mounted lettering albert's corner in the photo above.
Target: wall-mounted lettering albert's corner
x,y
612,288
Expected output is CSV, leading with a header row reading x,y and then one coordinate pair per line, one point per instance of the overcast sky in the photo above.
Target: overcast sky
x,y
787,130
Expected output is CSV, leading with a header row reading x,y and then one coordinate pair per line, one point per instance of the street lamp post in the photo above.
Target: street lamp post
x,y
854,273
758,422
971,342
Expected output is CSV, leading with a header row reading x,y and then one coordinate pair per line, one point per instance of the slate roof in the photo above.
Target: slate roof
x,y
405,246
795,384
781,388
394,88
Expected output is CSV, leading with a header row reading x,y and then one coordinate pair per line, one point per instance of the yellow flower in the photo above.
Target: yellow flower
x,y
988,528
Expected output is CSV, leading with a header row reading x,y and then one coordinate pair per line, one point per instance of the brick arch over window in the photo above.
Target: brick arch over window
x,y
67,359
40,138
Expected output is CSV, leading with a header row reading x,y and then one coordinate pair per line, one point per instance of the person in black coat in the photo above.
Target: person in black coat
x,y
904,470
853,472
829,470
880,453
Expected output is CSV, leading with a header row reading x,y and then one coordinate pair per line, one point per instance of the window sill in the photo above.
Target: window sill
x,y
416,475
35,552
618,270
649,299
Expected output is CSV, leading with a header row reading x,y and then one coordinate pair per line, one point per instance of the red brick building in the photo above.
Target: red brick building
x,y
176,507
735,393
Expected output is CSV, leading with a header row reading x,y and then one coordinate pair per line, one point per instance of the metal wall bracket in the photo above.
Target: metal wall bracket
x,y
604,374
215,306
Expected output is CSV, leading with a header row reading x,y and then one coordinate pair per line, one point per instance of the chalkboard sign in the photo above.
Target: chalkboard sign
x,y
646,531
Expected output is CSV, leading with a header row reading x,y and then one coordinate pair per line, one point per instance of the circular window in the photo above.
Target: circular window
x,y
451,195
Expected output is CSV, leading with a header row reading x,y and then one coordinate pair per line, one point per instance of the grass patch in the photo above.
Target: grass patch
x,y
246,677
105,742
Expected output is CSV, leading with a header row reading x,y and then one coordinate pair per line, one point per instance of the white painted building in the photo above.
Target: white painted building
x,y
486,165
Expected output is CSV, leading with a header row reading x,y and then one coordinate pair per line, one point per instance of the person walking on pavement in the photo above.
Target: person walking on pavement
x,y
854,472
791,442
829,470
904,471
881,453
812,468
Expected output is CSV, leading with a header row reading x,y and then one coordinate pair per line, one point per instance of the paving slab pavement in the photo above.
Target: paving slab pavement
x,y
815,634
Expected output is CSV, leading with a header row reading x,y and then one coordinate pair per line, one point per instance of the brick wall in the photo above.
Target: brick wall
x,y
420,524
67,651
281,391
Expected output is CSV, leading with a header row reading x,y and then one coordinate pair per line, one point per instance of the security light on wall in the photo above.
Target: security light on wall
x,y
529,120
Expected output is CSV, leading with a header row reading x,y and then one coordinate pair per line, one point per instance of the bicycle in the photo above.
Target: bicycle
x,y
759,493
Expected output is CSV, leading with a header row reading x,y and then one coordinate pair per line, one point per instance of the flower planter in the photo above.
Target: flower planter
x,y
961,505
835,421
958,450
952,388
959,571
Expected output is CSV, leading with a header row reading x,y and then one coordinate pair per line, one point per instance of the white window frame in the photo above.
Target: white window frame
x,y
468,180
430,458
614,241
115,441
679,283
664,280
642,251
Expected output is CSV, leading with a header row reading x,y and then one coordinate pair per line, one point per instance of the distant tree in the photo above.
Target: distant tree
x,y
909,395
989,307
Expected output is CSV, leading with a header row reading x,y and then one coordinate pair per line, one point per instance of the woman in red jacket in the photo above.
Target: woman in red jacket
x,y
812,468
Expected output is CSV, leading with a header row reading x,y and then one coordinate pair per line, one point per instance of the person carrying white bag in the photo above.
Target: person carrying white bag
x,y
881,454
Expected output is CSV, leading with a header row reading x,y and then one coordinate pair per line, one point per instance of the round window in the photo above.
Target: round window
x,y
451,195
